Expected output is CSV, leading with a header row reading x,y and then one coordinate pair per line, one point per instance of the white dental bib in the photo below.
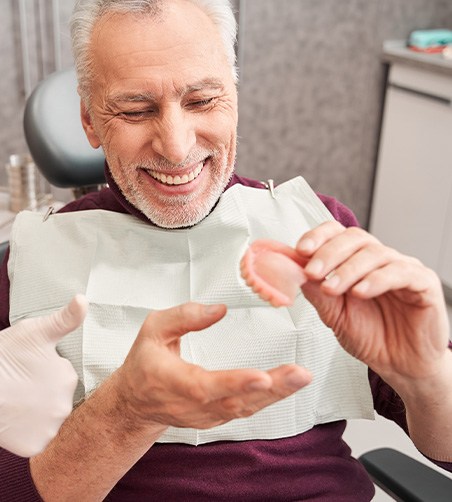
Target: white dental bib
x,y
127,267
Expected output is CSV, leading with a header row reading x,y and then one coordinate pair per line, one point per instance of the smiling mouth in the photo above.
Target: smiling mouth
x,y
167,179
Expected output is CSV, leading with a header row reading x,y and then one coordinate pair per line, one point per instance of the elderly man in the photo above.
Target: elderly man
x,y
157,86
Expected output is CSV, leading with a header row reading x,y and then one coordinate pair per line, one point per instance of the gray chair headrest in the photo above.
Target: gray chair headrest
x,y
55,135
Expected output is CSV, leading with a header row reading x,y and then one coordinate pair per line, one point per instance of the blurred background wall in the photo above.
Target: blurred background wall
x,y
34,41
311,82
312,88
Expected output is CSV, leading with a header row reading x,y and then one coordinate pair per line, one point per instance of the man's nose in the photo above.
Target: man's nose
x,y
175,136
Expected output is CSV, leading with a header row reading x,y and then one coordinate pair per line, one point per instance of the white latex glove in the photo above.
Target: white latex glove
x,y
36,384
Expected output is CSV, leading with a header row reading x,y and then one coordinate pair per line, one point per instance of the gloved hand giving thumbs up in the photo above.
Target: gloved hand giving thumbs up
x,y
36,384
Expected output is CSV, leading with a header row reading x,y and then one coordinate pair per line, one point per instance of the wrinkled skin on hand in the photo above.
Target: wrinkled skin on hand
x,y
385,308
157,386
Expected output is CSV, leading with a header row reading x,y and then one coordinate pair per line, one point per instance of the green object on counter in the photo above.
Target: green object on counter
x,y
430,38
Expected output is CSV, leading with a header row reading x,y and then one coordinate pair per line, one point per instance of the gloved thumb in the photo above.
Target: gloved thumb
x,y
54,326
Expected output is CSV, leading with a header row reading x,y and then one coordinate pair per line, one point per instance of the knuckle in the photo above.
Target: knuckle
x,y
197,394
415,261
336,225
360,234
184,309
432,277
249,411
405,266
330,224
329,228
384,253
232,407
57,322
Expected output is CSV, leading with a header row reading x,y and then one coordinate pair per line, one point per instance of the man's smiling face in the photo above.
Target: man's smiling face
x,y
164,108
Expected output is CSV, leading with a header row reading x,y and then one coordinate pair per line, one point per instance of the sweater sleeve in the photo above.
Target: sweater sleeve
x,y
340,212
16,483
4,293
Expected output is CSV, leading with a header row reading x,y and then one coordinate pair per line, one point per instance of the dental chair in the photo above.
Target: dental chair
x,y
56,139
3,248
55,136
404,478
62,153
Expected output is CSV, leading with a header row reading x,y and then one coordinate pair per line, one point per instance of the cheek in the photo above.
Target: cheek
x,y
221,131
124,141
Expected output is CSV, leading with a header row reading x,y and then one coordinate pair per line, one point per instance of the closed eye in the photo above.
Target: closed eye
x,y
202,103
137,114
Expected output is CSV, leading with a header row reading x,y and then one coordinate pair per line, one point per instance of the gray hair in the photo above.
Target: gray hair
x,y
87,12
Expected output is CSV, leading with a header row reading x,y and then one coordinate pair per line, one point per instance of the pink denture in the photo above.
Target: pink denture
x,y
274,271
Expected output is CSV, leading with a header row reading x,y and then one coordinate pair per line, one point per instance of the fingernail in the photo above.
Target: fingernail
x,y
314,267
306,245
212,309
295,380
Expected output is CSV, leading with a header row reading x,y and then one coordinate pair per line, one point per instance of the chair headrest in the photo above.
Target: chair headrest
x,y
55,135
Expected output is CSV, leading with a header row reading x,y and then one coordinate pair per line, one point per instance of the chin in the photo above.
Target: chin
x,y
184,211
173,219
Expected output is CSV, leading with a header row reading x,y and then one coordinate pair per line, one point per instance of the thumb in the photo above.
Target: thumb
x,y
169,325
54,326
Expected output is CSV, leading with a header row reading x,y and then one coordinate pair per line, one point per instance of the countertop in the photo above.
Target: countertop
x,y
396,51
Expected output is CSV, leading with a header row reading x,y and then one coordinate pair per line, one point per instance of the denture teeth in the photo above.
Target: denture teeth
x,y
177,179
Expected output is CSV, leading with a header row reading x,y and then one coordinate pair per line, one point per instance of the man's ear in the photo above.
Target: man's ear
x,y
88,125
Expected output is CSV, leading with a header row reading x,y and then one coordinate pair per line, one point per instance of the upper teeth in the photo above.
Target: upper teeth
x,y
177,180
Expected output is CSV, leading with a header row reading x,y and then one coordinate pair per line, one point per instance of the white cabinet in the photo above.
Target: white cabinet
x,y
412,203
445,261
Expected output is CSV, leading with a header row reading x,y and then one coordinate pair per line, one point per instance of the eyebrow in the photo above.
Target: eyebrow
x,y
149,97
208,83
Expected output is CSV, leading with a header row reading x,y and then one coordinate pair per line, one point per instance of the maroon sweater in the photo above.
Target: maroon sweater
x,y
315,465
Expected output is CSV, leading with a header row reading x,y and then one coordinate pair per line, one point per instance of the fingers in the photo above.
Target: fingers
x,y
204,386
331,244
398,275
170,324
215,397
350,259
53,327
312,240
285,379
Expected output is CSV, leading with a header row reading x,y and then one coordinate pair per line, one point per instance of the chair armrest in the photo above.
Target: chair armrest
x,y
404,478
3,248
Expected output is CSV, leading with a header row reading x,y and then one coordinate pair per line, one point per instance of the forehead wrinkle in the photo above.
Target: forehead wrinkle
x,y
147,96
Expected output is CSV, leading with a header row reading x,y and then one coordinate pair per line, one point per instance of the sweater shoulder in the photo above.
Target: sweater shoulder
x,y
103,199
340,211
